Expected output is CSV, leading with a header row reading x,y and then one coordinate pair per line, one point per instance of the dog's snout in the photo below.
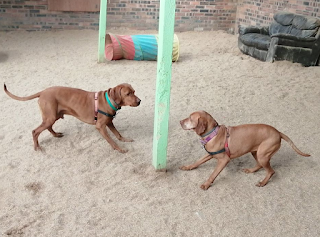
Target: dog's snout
x,y
138,101
182,123
186,124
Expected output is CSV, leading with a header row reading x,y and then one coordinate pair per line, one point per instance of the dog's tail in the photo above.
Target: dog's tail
x,y
20,98
287,139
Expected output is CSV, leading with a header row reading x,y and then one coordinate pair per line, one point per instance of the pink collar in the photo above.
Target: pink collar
x,y
95,107
212,134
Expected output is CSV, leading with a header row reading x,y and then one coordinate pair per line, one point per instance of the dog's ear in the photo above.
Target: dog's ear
x,y
115,94
201,126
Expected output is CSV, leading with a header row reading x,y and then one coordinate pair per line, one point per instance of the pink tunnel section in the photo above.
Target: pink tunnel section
x,y
119,47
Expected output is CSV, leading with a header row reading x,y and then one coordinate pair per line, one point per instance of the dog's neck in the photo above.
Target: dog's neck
x,y
209,135
209,131
212,125
114,106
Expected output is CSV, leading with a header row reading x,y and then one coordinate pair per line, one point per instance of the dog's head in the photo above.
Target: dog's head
x,y
123,95
198,121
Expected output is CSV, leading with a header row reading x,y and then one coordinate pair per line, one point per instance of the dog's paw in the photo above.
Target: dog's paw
x,y
123,151
205,186
123,139
184,168
59,134
38,148
260,184
247,171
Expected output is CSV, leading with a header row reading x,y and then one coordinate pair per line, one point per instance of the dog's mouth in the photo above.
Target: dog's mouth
x,y
137,103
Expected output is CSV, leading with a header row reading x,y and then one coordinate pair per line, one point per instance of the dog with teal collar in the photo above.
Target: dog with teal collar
x,y
96,108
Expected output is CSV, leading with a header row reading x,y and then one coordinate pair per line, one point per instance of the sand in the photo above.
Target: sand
x,y
79,186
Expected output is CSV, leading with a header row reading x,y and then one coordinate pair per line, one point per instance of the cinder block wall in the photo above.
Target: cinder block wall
x,y
143,14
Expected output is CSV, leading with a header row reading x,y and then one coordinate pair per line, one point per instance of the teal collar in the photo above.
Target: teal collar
x,y
109,102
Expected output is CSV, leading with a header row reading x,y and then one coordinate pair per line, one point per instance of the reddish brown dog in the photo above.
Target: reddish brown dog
x,y
226,143
93,108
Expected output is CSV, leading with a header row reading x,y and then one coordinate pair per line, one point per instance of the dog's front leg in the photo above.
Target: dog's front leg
x,y
103,131
197,163
117,134
222,162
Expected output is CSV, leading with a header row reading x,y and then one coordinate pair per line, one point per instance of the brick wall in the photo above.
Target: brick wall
x,y
34,15
205,14
143,14
260,12
137,14
190,14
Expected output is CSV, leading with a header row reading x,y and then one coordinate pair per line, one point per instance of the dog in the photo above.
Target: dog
x,y
96,108
226,143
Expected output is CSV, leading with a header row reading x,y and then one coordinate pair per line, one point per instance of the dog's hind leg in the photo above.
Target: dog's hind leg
x,y
46,124
49,117
266,165
50,129
256,168
55,134
263,157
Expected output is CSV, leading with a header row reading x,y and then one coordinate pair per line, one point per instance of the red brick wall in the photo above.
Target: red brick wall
x,y
190,14
136,14
260,12
143,14
34,15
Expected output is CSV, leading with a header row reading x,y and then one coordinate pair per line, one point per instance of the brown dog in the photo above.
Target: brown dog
x,y
93,108
225,143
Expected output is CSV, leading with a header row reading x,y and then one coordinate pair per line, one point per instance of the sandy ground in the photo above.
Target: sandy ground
x,y
79,186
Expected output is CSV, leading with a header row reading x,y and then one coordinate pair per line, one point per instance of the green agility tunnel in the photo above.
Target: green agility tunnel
x,y
136,47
